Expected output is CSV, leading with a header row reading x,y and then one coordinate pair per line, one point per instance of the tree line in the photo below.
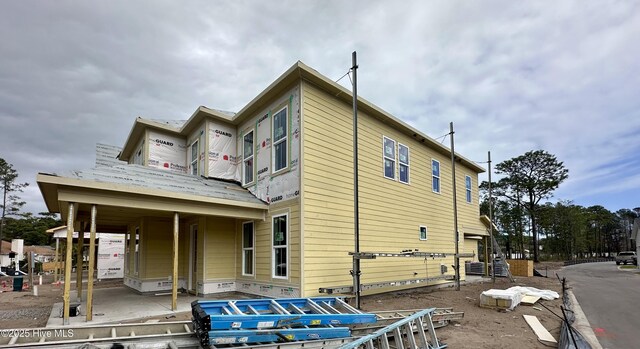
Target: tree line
x,y
530,227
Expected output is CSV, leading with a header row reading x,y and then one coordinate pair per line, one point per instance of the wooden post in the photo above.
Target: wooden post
x,y
67,266
32,269
92,248
174,278
80,261
56,260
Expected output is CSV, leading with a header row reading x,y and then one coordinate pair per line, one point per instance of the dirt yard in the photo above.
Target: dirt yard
x,y
480,328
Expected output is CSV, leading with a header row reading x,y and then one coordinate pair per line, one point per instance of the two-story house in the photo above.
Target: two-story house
x,y
261,201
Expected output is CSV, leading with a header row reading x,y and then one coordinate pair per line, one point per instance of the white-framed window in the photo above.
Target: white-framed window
x,y
136,253
403,163
194,158
435,175
467,185
280,247
389,157
248,243
248,140
423,232
279,137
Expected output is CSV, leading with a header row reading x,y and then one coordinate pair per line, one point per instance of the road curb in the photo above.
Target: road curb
x,y
581,324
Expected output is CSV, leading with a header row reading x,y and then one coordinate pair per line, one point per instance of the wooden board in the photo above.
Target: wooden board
x,y
529,300
538,329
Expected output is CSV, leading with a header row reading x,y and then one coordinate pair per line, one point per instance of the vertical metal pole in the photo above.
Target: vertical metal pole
x,y
80,260
174,278
455,210
56,260
92,250
493,262
67,266
356,213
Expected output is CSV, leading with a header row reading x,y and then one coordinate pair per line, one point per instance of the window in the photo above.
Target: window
x,y
435,171
423,232
127,252
467,184
389,157
194,158
279,138
136,253
279,256
247,158
247,248
403,160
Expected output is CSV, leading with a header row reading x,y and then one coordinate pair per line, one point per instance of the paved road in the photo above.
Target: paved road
x,y
610,298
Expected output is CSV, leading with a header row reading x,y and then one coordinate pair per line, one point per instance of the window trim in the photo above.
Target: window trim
x,y
197,160
426,233
385,157
252,248
136,252
408,164
468,193
284,139
253,156
285,246
434,176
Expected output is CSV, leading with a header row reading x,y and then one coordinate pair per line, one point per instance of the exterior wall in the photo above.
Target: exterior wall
x,y
197,134
156,250
390,212
167,151
263,283
269,186
222,156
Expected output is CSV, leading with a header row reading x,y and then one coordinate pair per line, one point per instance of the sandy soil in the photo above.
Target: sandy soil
x,y
480,328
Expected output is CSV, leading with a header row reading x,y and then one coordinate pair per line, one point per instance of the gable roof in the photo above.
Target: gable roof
x,y
299,71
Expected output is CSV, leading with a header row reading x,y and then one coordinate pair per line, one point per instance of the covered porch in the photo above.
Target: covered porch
x,y
161,217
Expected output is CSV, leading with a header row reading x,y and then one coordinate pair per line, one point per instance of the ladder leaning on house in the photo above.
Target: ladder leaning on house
x,y
502,262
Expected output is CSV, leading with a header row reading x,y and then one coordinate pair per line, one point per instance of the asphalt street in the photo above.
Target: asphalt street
x,y
610,298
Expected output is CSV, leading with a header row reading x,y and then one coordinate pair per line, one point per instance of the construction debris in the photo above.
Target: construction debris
x,y
538,329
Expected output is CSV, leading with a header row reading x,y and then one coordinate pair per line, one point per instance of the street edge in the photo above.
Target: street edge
x,y
581,322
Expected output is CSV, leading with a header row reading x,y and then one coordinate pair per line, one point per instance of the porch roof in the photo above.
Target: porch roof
x,y
126,191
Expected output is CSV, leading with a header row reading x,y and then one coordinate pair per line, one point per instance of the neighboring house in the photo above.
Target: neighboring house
x,y
264,197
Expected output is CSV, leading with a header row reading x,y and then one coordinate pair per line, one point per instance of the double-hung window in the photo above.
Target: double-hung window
x,y
194,158
280,247
467,185
403,160
247,248
279,138
389,157
435,175
247,158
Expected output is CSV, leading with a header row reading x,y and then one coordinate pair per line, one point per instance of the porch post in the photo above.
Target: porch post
x,y
92,248
80,261
174,283
56,261
67,266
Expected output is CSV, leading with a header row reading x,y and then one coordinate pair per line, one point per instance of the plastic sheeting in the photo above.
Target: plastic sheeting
x,y
223,162
515,294
111,256
167,152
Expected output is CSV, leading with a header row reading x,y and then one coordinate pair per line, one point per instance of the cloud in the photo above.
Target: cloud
x,y
512,76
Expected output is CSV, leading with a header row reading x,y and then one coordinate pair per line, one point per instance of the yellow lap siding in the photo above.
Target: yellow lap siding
x,y
390,212
219,251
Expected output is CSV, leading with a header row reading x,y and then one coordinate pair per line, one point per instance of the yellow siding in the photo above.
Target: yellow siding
x,y
219,250
390,212
263,247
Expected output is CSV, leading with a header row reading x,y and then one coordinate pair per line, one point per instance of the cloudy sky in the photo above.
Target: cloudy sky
x,y
563,76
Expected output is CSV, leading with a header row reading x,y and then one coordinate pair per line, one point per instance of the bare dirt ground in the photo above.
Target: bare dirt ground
x,y
480,328
24,310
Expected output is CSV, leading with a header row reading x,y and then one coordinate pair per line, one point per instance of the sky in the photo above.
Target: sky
x,y
513,76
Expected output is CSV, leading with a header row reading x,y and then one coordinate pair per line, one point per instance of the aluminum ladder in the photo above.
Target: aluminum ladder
x,y
413,332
